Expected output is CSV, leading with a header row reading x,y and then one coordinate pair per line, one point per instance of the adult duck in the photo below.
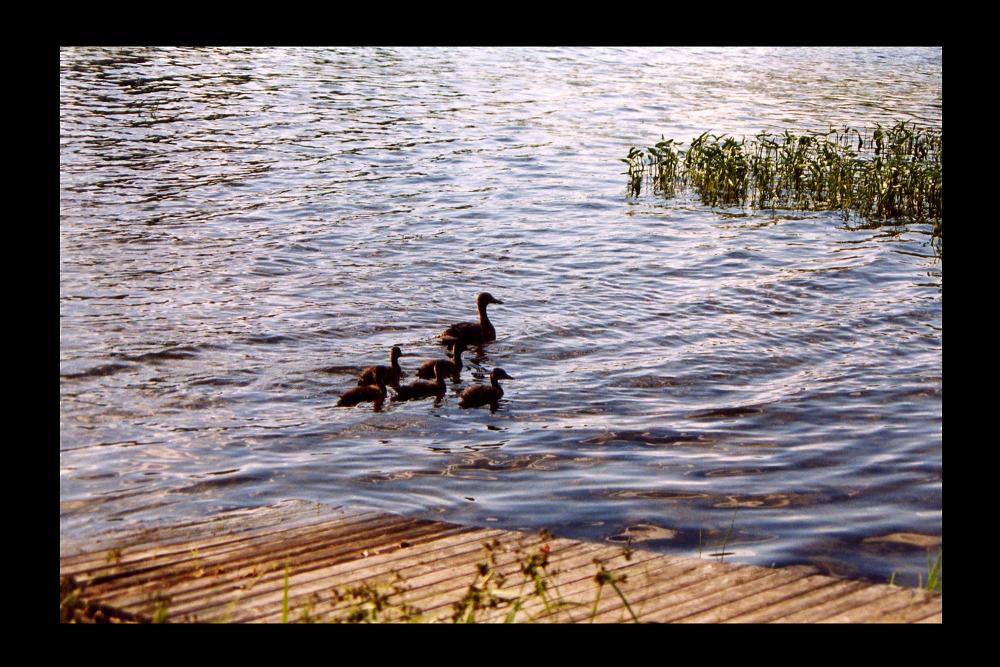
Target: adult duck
x,y
374,393
423,388
481,394
389,375
474,333
452,367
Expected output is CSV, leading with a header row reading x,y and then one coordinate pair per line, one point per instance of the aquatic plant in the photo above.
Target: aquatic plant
x,y
933,584
636,169
882,174
933,574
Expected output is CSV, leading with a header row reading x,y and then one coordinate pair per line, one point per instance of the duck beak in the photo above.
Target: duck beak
x,y
497,301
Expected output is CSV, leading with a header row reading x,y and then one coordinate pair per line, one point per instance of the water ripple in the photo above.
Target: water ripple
x,y
243,229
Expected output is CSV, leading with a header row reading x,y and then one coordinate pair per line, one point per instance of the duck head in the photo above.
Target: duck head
x,y
499,374
485,299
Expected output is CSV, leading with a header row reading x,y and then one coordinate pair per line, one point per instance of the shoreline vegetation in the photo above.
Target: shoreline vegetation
x,y
881,175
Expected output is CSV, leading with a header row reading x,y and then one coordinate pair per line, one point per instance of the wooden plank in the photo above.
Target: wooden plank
x,y
258,550
226,524
723,603
305,588
602,601
665,602
912,612
825,590
890,608
233,569
570,571
190,591
136,557
432,587
844,604
578,596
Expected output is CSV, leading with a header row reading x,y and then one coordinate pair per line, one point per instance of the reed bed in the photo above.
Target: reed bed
x,y
882,175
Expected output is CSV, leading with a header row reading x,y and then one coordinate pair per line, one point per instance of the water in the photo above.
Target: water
x,y
242,230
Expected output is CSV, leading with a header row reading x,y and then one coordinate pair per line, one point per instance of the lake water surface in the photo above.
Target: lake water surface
x,y
243,230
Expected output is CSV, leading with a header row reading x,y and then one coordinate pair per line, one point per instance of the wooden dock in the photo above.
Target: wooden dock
x,y
299,561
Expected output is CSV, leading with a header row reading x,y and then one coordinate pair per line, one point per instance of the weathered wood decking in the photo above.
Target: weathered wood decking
x,y
342,564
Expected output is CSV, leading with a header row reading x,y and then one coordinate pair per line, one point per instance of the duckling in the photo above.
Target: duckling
x,y
472,333
422,388
452,367
481,394
389,375
374,393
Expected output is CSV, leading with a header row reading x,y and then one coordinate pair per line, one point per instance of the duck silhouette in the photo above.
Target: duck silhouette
x,y
422,388
474,333
373,392
482,394
452,367
389,375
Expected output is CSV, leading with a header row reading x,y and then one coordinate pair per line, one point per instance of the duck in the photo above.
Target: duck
x,y
389,375
374,392
474,333
423,388
452,367
481,394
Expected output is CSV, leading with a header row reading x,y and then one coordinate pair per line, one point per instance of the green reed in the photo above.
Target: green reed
x,y
933,573
933,584
882,174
